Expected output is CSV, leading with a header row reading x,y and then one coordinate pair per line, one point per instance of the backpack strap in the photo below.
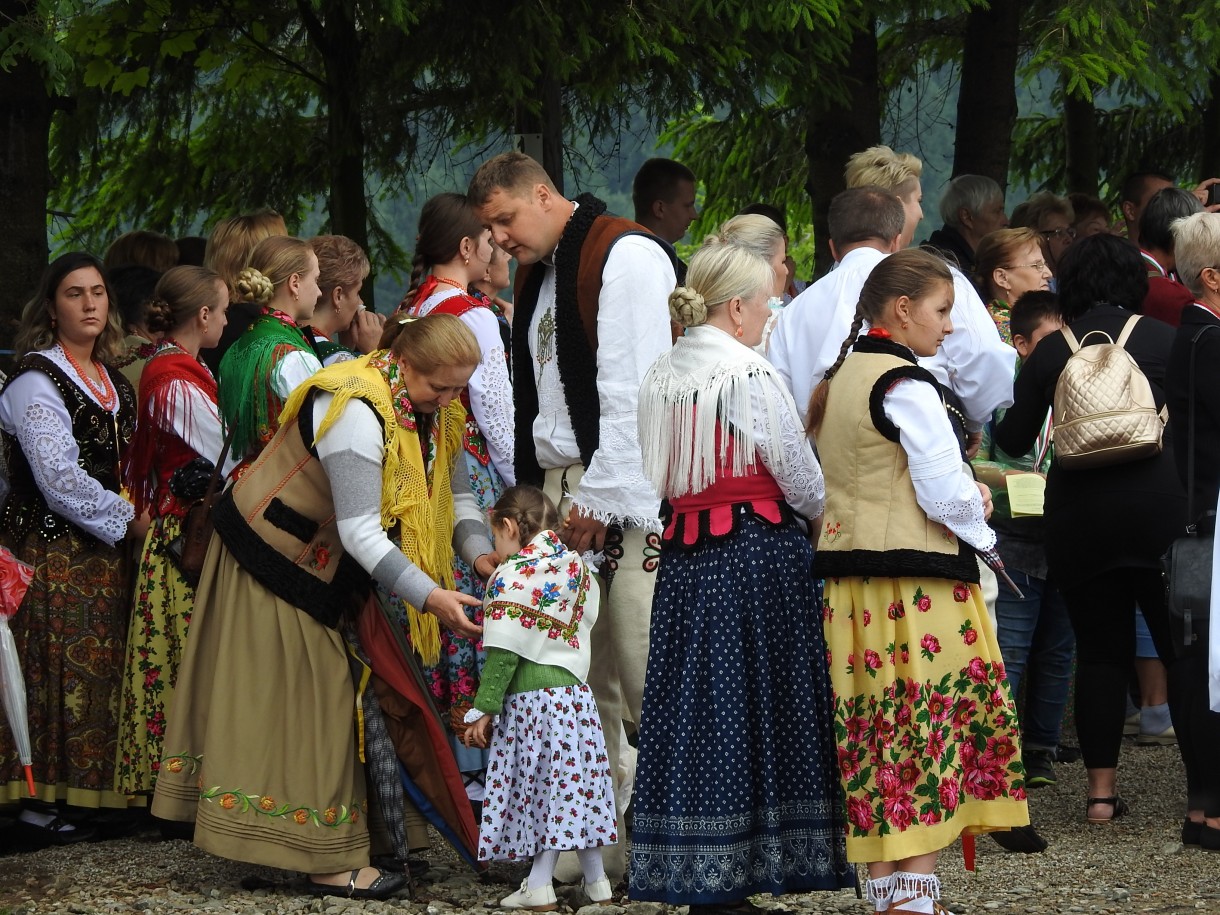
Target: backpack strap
x,y
1127,328
1072,342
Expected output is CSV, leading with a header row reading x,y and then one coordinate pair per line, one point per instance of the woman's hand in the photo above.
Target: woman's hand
x,y
446,606
364,333
485,565
478,734
985,493
137,528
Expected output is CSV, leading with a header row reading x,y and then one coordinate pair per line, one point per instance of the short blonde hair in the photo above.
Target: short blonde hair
x,y
882,167
719,271
233,241
1196,246
341,262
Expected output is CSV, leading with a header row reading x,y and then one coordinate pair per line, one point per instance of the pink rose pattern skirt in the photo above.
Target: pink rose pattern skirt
x,y
548,778
926,728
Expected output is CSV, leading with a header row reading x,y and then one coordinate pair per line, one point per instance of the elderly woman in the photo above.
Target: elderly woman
x,y
357,486
972,207
1051,217
736,618
1105,527
67,418
1194,374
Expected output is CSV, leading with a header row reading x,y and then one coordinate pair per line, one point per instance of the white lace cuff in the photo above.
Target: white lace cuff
x,y
614,488
472,715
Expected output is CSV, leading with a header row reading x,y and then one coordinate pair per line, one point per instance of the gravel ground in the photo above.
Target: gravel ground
x,y
1135,865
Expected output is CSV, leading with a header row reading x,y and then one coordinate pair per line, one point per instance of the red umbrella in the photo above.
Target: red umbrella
x,y
15,579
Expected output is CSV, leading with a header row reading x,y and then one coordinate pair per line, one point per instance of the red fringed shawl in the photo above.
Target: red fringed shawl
x,y
155,451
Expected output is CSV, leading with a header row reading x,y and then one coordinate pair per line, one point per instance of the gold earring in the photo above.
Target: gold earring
x,y
739,332
904,325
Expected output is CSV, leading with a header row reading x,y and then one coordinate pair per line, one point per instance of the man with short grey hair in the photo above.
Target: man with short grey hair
x,y
972,207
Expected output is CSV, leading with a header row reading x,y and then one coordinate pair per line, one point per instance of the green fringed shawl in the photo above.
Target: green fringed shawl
x,y
248,403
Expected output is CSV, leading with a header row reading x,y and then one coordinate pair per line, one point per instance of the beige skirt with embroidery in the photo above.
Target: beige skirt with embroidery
x,y
260,748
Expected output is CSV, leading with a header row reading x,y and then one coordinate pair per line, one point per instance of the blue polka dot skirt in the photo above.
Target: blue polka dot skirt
x,y
737,789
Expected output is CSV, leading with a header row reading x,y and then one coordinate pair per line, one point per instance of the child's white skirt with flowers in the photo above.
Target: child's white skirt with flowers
x,y
548,778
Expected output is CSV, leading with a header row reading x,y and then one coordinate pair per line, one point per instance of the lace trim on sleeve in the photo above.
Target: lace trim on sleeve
x,y
614,488
52,452
798,473
491,400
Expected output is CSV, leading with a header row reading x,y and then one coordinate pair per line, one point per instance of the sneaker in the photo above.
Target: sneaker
x,y
1131,725
1039,768
1165,738
539,899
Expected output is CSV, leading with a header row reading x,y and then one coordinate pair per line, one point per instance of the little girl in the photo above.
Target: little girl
x,y
928,740
548,778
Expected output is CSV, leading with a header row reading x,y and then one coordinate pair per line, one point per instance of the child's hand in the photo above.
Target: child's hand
x,y
478,734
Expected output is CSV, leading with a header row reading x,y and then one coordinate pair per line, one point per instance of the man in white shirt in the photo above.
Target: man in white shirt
x,y
865,225
591,316
973,362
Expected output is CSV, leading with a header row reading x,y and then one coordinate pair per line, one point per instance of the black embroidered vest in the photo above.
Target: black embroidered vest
x,y
101,436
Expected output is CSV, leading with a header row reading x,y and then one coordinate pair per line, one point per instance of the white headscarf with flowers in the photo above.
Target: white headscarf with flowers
x,y
540,604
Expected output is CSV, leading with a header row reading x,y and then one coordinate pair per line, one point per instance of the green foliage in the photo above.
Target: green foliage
x,y
35,37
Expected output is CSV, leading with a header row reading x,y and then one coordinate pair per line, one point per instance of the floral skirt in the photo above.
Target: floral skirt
x,y
548,779
69,634
736,789
454,680
925,721
155,642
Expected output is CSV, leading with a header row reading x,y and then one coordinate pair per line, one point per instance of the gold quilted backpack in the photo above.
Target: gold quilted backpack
x,y
1105,413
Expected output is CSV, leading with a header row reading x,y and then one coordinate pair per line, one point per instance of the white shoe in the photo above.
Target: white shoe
x,y
599,891
539,899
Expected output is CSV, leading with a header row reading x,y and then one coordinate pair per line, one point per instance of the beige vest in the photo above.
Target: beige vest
x,y
873,525
278,521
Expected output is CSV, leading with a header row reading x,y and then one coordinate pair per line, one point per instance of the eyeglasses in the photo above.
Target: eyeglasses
x,y
1067,231
1040,266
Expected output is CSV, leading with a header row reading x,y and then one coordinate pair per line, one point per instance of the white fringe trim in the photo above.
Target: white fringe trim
x,y
879,891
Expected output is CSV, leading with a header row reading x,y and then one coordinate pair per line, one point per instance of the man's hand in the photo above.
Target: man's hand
x,y
1201,192
582,532
364,333
446,606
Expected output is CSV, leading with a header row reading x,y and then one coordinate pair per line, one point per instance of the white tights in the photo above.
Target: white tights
x,y
543,871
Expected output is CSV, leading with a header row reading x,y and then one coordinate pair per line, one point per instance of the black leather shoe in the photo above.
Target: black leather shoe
x,y
1023,839
385,886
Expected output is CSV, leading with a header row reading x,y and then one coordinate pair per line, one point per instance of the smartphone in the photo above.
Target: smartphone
x,y
1213,195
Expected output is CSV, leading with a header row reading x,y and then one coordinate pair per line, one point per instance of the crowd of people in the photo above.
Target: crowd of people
x,y
509,566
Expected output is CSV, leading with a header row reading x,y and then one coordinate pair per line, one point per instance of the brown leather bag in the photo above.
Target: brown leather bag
x,y
190,547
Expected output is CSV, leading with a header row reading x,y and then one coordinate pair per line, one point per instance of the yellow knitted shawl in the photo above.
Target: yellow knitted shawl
x,y
416,498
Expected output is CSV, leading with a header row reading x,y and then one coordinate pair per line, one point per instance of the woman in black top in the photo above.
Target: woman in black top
x,y
1197,251
1106,527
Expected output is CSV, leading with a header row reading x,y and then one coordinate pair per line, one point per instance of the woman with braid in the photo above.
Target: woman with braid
x,y
927,732
452,252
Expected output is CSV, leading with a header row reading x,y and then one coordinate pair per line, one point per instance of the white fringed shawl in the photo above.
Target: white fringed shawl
x,y
708,366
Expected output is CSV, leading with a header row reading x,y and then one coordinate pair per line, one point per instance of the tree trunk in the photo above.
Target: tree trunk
x,y
1209,166
345,130
1080,127
25,125
835,131
987,100
549,126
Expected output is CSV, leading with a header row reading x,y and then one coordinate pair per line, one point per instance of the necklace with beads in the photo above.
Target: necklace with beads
x,y
453,283
105,394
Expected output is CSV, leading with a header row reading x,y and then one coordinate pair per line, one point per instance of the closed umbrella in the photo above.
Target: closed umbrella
x,y
15,579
